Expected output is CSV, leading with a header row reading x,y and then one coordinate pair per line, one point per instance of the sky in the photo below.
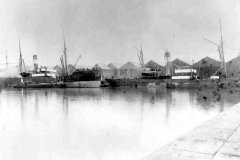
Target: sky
x,y
104,31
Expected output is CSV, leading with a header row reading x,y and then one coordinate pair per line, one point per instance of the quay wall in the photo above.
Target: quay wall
x,y
218,138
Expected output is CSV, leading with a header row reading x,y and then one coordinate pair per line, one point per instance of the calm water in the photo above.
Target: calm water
x,y
98,124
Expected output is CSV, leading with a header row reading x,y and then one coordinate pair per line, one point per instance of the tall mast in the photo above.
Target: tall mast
x,y
65,54
142,56
139,56
141,50
63,67
20,58
6,59
222,51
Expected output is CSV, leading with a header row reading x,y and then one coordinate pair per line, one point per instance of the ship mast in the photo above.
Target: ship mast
x,y
141,50
62,64
223,65
140,55
221,52
65,54
20,58
6,60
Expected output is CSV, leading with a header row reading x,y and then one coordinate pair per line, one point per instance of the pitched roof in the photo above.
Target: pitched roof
x,y
115,65
70,69
178,62
151,64
130,65
233,67
207,61
57,67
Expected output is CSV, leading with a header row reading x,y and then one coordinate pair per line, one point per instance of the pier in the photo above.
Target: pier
x,y
216,139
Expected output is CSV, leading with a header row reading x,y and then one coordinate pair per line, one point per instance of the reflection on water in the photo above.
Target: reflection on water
x,y
120,123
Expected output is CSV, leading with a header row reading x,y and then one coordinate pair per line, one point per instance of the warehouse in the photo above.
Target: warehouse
x,y
130,70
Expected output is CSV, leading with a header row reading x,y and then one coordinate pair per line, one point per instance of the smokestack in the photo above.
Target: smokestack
x,y
35,63
168,61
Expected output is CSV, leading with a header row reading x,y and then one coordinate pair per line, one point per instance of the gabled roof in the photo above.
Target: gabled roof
x,y
151,64
115,65
70,69
130,65
207,61
178,62
57,67
233,67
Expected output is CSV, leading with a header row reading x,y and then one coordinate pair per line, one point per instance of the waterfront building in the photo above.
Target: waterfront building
x,y
106,71
116,68
179,63
153,65
58,70
206,67
130,70
233,67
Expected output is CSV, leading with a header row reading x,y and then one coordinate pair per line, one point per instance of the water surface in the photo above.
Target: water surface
x,y
99,124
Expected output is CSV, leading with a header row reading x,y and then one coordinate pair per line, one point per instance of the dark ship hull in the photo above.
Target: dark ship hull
x,y
81,78
40,85
161,81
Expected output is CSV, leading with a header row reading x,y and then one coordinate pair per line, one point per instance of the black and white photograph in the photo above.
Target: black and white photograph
x,y
119,80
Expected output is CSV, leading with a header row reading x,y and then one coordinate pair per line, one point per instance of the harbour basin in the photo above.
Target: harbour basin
x,y
100,123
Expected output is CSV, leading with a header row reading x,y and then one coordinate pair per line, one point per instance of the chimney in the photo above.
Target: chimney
x,y
35,63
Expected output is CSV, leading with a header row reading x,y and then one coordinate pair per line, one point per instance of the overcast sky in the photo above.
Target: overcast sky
x,y
104,31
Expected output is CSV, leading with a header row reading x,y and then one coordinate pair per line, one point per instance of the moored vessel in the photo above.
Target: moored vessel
x,y
37,78
78,78
82,78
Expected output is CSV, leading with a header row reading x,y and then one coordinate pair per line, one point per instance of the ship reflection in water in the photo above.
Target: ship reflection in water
x,y
98,123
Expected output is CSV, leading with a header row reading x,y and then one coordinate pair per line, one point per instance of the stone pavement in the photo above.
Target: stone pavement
x,y
216,139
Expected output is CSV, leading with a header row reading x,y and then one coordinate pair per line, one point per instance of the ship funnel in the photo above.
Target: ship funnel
x,y
168,63
35,63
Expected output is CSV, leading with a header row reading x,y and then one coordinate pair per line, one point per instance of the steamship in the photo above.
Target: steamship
x,y
38,78
79,78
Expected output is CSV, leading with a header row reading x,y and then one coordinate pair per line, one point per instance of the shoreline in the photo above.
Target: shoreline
x,y
218,138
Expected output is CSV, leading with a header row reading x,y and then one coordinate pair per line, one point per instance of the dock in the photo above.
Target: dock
x,y
216,139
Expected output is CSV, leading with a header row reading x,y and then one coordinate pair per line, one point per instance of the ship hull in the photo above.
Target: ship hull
x,y
136,82
40,85
192,84
83,84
